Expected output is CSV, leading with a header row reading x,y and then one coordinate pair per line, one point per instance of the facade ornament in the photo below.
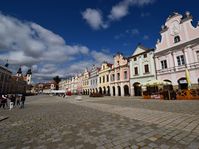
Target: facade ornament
x,y
158,41
187,13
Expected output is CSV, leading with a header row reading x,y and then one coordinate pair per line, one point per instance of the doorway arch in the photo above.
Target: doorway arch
x,y
108,90
100,90
104,90
119,90
182,83
126,90
113,90
137,89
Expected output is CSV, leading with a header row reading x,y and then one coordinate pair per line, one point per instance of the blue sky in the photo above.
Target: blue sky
x,y
72,35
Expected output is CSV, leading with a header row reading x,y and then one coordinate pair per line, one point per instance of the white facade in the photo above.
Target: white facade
x,y
142,69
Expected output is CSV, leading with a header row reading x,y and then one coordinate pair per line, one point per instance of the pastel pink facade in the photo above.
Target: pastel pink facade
x,y
120,76
178,50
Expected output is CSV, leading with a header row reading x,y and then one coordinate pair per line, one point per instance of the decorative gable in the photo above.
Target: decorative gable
x,y
139,50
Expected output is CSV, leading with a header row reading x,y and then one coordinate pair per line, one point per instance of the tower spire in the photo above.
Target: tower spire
x,y
6,65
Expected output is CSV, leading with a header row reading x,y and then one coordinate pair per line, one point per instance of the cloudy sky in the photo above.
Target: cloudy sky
x,y
65,37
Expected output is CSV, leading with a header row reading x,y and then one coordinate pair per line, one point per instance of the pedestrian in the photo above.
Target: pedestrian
x,y
23,98
18,100
12,98
3,101
6,100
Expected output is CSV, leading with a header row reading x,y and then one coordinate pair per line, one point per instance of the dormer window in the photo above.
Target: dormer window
x,y
176,39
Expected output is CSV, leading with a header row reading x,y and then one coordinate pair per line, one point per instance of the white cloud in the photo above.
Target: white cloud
x,y
146,37
94,18
121,9
99,57
32,46
28,42
133,31
145,14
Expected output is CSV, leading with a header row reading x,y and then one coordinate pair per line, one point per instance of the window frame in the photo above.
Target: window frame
x,y
136,71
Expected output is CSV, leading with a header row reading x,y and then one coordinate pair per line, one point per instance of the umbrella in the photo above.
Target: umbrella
x,y
156,82
187,74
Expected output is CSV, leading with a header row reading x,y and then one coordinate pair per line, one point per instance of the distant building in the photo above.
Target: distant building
x,y
79,83
46,87
11,84
5,80
178,50
93,80
104,79
85,82
119,76
142,68
74,82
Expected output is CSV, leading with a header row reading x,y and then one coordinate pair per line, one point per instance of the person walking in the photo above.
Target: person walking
x,y
23,98
18,100
12,99
6,100
3,101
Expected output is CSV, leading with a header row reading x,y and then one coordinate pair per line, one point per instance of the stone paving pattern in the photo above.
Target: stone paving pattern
x,y
102,123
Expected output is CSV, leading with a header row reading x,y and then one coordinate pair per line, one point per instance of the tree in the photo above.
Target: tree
x,y
57,80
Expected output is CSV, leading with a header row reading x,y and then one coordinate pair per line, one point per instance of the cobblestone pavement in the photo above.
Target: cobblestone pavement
x,y
54,122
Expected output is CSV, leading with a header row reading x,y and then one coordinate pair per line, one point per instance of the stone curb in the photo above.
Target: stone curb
x,y
3,118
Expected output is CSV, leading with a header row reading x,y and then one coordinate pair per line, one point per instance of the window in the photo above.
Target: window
x,y
125,75
118,76
107,78
146,68
135,58
180,60
164,64
176,39
100,80
197,53
136,70
103,79
145,55
113,77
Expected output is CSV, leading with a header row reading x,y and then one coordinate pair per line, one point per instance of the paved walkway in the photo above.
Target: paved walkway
x,y
54,122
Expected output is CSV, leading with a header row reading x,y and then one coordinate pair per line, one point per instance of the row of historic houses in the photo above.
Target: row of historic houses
x,y
175,53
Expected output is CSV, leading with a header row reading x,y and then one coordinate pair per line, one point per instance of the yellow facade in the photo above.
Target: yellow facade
x,y
85,83
104,79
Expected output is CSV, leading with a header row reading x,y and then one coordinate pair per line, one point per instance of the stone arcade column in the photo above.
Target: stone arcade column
x,y
116,90
111,90
122,89
132,89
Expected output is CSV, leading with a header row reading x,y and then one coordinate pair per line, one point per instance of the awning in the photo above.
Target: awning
x,y
156,82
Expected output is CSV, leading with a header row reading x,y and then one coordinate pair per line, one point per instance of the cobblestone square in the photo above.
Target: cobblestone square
x,y
102,123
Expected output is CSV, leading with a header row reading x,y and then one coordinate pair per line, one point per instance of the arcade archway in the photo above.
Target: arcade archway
x,y
137,89
119,90
126,90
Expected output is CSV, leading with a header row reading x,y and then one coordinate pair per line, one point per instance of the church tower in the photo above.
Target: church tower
x,y
19,72
29,76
